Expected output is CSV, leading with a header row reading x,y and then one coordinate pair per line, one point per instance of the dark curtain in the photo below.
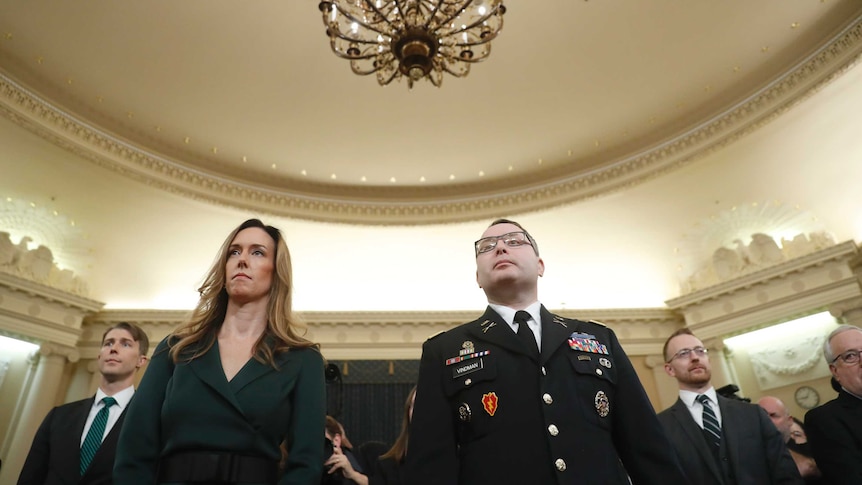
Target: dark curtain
x,y
369,399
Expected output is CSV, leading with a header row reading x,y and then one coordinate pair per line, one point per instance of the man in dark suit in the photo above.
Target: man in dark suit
x,y
522,396
719,440
835,428
61,453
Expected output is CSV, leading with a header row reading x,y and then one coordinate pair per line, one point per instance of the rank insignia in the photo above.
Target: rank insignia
x,y
587,345
605,362
464,412
489,402
603,406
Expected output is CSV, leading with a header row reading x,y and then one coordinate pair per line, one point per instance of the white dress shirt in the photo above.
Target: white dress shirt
x,y
123,397
535,322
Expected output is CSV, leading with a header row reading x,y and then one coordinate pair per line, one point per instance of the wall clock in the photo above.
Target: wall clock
x,y
807,397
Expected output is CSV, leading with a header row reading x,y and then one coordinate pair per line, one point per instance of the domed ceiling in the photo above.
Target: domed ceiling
x,y
244,104
631,138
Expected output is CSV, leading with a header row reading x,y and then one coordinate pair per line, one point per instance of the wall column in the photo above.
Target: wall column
x,y
39,400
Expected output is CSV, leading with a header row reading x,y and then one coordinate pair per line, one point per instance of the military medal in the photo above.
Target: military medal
x,y
587,345
467,352
603,406
464,412
489,402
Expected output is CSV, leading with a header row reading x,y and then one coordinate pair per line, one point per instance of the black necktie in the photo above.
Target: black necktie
x,y
525,334
710,421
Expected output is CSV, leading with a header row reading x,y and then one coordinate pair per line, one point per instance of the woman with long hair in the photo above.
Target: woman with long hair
x,y
234,382
388,471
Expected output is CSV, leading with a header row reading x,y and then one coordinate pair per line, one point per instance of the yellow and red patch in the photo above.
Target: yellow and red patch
x,y
489,402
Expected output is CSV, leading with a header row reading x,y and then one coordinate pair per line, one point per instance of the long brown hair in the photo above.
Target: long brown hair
x,y
399,449
283,329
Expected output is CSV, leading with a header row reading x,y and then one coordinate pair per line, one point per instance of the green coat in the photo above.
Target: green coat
x,y
191,406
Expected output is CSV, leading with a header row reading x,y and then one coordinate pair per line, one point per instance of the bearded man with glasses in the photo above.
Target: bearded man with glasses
x,y
523,396
719,440
835,428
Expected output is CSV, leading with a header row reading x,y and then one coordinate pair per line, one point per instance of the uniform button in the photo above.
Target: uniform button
x,y
547,398
560,464
543,371
553,430
468,382
599,372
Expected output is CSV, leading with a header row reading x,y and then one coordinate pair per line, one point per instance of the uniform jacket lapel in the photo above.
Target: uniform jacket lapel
x,y
555,332
695,435
491,328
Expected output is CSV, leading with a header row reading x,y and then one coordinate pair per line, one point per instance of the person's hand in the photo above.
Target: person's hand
x,y
339,461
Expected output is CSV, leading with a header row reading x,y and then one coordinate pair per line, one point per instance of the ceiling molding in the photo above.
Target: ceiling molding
x,y
432,204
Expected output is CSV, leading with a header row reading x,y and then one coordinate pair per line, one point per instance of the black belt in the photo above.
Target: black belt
x,y
217,468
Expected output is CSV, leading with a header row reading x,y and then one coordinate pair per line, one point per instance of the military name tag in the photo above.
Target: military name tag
x,y
472,366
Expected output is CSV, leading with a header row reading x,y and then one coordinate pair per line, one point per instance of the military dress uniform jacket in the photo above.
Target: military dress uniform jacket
x,y
486,412
752,449
192,407
834,431
55,456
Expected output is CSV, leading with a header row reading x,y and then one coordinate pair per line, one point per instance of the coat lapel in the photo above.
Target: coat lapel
x,y
252,371
729,437
78,419
695,435
208,369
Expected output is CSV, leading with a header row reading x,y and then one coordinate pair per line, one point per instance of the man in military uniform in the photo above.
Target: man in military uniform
x,y
522,396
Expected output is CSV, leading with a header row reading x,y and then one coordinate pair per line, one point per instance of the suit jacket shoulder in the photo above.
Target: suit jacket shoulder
x,y
835,433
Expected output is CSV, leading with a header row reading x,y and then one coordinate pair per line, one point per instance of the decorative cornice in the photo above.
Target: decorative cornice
x,y
48,293
840,251
395,335
428,205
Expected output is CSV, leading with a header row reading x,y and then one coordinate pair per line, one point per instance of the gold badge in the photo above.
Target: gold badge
x,y
603,406
467,347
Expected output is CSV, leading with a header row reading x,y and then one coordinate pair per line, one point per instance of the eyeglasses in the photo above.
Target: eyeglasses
x,y
850,357
511,239
686,353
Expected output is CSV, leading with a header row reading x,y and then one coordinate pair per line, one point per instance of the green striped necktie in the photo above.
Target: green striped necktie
x,y
94,436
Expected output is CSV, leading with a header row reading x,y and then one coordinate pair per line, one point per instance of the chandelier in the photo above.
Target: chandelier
x,y
414,39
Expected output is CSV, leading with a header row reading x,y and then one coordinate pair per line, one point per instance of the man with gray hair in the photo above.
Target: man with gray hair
x,y
835,428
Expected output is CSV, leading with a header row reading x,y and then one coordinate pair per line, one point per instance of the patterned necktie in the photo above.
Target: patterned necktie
x,y
710,421
525,333
94,436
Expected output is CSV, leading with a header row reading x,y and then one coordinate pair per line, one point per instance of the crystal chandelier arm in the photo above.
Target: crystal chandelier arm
x,y
452,10
379,15
491,33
